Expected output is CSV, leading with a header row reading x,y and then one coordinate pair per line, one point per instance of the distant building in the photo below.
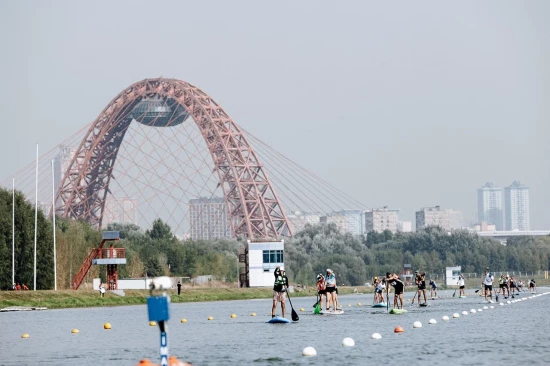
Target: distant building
x,y
297,220
404,226
352,221
489,205
516,201
122,210
456,219
432,216
208,219
484,227
380,219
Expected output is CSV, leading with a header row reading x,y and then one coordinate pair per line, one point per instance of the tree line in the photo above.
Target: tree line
x,y
156,251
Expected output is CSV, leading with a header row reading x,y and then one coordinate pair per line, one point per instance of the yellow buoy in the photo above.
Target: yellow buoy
x,y
233,316
210,318
349,304
74,331
153,323
302,309
253,314
107,326
358,304
25,336
184,320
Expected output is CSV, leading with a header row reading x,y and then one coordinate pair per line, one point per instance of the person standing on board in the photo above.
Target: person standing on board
x,y
460,284
331,289
420,281
279,291
532,286
488,284
433,289
321,289
398,285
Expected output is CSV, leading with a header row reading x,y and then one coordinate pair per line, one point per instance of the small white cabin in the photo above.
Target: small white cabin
x,y
263,258
451,275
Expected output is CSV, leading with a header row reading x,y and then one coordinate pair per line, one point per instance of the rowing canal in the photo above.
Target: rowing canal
x,y
516,333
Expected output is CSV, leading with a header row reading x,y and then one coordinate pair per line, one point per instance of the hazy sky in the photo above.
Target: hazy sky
x,y
402,104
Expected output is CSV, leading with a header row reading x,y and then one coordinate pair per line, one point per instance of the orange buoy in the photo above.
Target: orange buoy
x,y
399,329
144,362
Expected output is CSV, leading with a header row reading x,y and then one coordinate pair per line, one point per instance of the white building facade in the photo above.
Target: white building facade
x,y
208,219
489,205
352,221
263,258
380,219
516,200
432,216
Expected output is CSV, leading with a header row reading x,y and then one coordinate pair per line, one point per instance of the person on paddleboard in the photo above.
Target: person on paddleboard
x,y
331,290
532,286
433,289
460,284
394,280
321,289
279,291
513,285
420,281
488,284
379,290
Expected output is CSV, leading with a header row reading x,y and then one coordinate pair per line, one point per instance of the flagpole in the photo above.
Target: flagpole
x,y
35,216
13,235
53,217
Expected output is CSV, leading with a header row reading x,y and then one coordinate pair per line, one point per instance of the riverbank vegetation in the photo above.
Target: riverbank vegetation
x,y
157,251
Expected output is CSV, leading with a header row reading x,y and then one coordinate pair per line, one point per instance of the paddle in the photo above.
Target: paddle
x,y
317,303
295,317
454,293
414,297
387,297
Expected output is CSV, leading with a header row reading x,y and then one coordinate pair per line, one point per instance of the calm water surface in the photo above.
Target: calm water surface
x,y
511,334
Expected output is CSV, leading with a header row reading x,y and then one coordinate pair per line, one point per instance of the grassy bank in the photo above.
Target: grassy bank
x,y
90,298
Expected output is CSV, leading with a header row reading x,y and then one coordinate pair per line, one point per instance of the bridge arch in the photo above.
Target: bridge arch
x,y
254,209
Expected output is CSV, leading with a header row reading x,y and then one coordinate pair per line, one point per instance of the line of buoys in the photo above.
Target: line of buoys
x,y
107,326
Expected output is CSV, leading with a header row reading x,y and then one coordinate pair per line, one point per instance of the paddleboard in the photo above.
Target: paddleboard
x,y
379,305
278,319
398,311
330,312
462,297
423,305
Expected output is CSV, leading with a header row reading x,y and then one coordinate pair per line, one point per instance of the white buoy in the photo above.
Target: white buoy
x,y
309,351
486,307
479,310
455,315
508,302
376,336
445,318
417,324
348,342
501,304
491,307
432,321
464,312
473,311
